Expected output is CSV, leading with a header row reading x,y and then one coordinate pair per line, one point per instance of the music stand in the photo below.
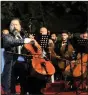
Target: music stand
x,y
82,47
43,41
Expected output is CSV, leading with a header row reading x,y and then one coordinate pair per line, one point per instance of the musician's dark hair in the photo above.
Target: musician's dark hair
x,y
85,31
53,33
18,20
65,31
22,32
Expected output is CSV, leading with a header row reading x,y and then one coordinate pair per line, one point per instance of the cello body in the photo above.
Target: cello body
x,y
40,67
80,69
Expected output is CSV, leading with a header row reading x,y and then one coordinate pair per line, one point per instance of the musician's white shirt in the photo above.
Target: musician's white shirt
x,y
19,48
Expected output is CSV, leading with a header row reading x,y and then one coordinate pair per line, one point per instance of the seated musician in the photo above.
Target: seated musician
x,y
63,50
83,35
35,83
55,40
11,41
81,55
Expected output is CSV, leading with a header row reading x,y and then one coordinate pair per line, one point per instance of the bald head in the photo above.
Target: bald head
x,y
43,31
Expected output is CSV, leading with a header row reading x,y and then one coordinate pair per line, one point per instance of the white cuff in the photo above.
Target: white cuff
x,y
27,40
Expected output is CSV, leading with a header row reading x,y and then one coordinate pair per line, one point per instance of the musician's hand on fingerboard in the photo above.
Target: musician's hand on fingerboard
x,y
32,36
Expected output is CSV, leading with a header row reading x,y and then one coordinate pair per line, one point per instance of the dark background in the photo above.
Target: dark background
x,y
55,15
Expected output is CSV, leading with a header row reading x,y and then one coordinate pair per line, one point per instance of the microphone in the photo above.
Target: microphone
x,y
16,34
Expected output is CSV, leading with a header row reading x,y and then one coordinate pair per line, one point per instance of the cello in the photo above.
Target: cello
x,y
77,71
41,68
76,66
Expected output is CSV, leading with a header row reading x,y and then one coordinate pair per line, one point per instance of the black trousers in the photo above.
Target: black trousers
x,y
35,85
58,72
6,75
28,83
19,70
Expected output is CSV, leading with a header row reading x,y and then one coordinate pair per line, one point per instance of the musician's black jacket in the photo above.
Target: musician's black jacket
x,y
9,41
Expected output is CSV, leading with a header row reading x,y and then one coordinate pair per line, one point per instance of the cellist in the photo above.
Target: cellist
x,y
12,42
81,57
36,84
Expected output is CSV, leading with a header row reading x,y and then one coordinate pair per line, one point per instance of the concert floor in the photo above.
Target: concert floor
x,y
61,88
56,88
